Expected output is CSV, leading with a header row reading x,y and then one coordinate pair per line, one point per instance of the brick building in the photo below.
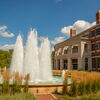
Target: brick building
x,y
80,51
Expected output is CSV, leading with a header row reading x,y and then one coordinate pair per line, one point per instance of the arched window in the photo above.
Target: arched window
x,y
65,50
59,52
75,49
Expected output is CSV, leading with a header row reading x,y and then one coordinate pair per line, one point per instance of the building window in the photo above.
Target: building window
x,y
58,64
98,46
59,52
86,63
65,62
65,51
75,49
75,64
93,47
86,47
92,34
93,62
98,31
98,62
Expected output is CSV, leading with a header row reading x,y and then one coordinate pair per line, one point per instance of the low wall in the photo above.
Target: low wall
x,y
45,88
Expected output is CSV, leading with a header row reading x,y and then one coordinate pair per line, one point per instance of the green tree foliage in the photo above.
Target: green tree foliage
x,y
5,58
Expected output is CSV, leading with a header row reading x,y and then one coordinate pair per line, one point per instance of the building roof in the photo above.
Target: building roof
x,y
79,34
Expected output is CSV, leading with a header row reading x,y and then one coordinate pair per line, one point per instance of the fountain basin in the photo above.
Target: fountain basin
x,y
45,87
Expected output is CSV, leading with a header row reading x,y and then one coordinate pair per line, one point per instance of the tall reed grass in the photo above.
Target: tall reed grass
x,y
83,82
13,83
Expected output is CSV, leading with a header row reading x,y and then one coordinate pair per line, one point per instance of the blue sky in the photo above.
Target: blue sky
x,y
49,17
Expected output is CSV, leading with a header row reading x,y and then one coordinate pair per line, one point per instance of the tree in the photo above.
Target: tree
x,y
5,58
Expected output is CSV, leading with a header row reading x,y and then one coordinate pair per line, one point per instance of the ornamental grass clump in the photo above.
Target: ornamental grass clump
x,y
65,87
81,88
88,87
17,82
5,84
26,78
84,82
98,85
74,89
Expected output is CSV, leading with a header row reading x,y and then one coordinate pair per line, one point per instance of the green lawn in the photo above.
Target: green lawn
x,y
21,96
95,96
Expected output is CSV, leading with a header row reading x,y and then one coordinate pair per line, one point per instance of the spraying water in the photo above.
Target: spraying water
x,y
17,58
31,62
63,74
37,64
45,60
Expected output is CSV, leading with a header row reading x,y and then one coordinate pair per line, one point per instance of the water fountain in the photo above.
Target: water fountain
x,y
63,74
37,64
17,58
31,60
45,60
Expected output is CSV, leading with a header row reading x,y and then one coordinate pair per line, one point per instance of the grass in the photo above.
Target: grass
x,y
84,86
83,76
20,96
15,91
85,97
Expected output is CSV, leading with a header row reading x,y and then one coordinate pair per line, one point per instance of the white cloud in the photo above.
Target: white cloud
x,y
66,30
3,28
7,47
94,23
58,40
80,26
4,33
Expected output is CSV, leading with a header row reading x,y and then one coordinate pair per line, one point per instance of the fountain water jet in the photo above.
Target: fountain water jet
x,y
17,58
45,60
31,62
37,64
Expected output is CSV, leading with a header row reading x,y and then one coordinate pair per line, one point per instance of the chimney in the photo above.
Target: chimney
x,y
73,32
98,17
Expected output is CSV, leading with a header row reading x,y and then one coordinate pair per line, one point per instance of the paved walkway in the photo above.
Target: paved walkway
x,y
46,97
